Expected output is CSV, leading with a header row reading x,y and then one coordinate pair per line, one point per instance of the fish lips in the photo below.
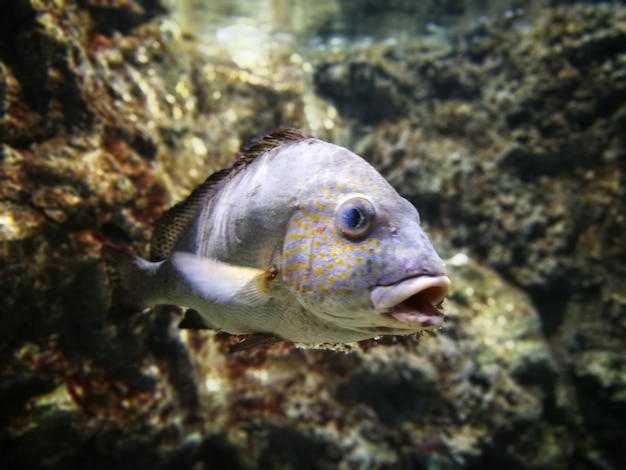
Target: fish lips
x,y
413,301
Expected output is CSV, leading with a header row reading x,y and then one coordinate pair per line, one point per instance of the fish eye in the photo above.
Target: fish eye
x,y
355,217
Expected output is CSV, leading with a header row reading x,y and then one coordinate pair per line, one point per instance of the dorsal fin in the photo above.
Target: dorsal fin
x,y
172,225
175,222
266,142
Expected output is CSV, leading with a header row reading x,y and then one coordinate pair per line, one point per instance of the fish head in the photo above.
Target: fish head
x,y
361,261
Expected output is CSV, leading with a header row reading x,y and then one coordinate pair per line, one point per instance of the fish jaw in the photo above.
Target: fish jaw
x,y
413,302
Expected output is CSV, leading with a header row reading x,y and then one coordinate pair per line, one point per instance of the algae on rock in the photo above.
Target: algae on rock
x,y
507,134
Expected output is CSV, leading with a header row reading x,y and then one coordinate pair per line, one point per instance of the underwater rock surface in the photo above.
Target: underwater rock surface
x,y
507,134
515,140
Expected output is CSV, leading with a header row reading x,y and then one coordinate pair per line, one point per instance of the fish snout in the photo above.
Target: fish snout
x,y
415,302
424,263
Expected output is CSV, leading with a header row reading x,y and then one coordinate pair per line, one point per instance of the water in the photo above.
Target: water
x,y
503,122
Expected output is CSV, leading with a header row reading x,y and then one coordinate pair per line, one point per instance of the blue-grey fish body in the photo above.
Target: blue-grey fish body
x,y
301,239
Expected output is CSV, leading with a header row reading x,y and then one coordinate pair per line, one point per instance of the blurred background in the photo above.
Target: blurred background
x,y
503,122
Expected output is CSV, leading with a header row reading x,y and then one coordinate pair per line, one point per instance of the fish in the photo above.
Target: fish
x,y
299,240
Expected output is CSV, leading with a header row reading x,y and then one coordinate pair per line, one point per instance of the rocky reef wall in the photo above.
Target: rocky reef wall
x,y
508,133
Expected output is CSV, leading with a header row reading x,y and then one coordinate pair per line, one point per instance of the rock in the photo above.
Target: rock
x,y
512,147
507,135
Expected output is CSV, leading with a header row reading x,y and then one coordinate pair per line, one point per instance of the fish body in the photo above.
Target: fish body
x,y
300,239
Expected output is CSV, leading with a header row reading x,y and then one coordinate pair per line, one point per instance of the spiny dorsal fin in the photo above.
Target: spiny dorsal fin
x,y
173,224
266,142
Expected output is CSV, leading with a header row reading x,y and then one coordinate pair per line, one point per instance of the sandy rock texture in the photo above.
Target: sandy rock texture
x,y
513,136
508,135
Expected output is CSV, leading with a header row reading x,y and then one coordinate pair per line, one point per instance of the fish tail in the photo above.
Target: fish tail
x,y
123,269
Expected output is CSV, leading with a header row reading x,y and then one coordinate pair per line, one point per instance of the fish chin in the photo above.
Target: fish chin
x,y
413,302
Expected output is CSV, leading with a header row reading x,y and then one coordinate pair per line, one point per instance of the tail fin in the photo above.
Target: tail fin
x,y
123,270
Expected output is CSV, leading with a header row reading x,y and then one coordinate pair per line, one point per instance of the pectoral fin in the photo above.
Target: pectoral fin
x,y
223,283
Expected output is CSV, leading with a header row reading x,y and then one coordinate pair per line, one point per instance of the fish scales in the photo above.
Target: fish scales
x,y
301,239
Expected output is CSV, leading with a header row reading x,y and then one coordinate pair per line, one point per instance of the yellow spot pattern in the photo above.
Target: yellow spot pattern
x,y
318,260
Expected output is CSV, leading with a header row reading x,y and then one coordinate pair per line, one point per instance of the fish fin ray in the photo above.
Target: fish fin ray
x,y
255,340
122,272
175,222
265,142
222,283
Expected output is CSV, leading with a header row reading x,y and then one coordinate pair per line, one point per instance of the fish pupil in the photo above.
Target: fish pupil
x,y
353,217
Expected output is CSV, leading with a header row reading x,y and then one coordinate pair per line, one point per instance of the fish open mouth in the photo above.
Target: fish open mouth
x,y
413,301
